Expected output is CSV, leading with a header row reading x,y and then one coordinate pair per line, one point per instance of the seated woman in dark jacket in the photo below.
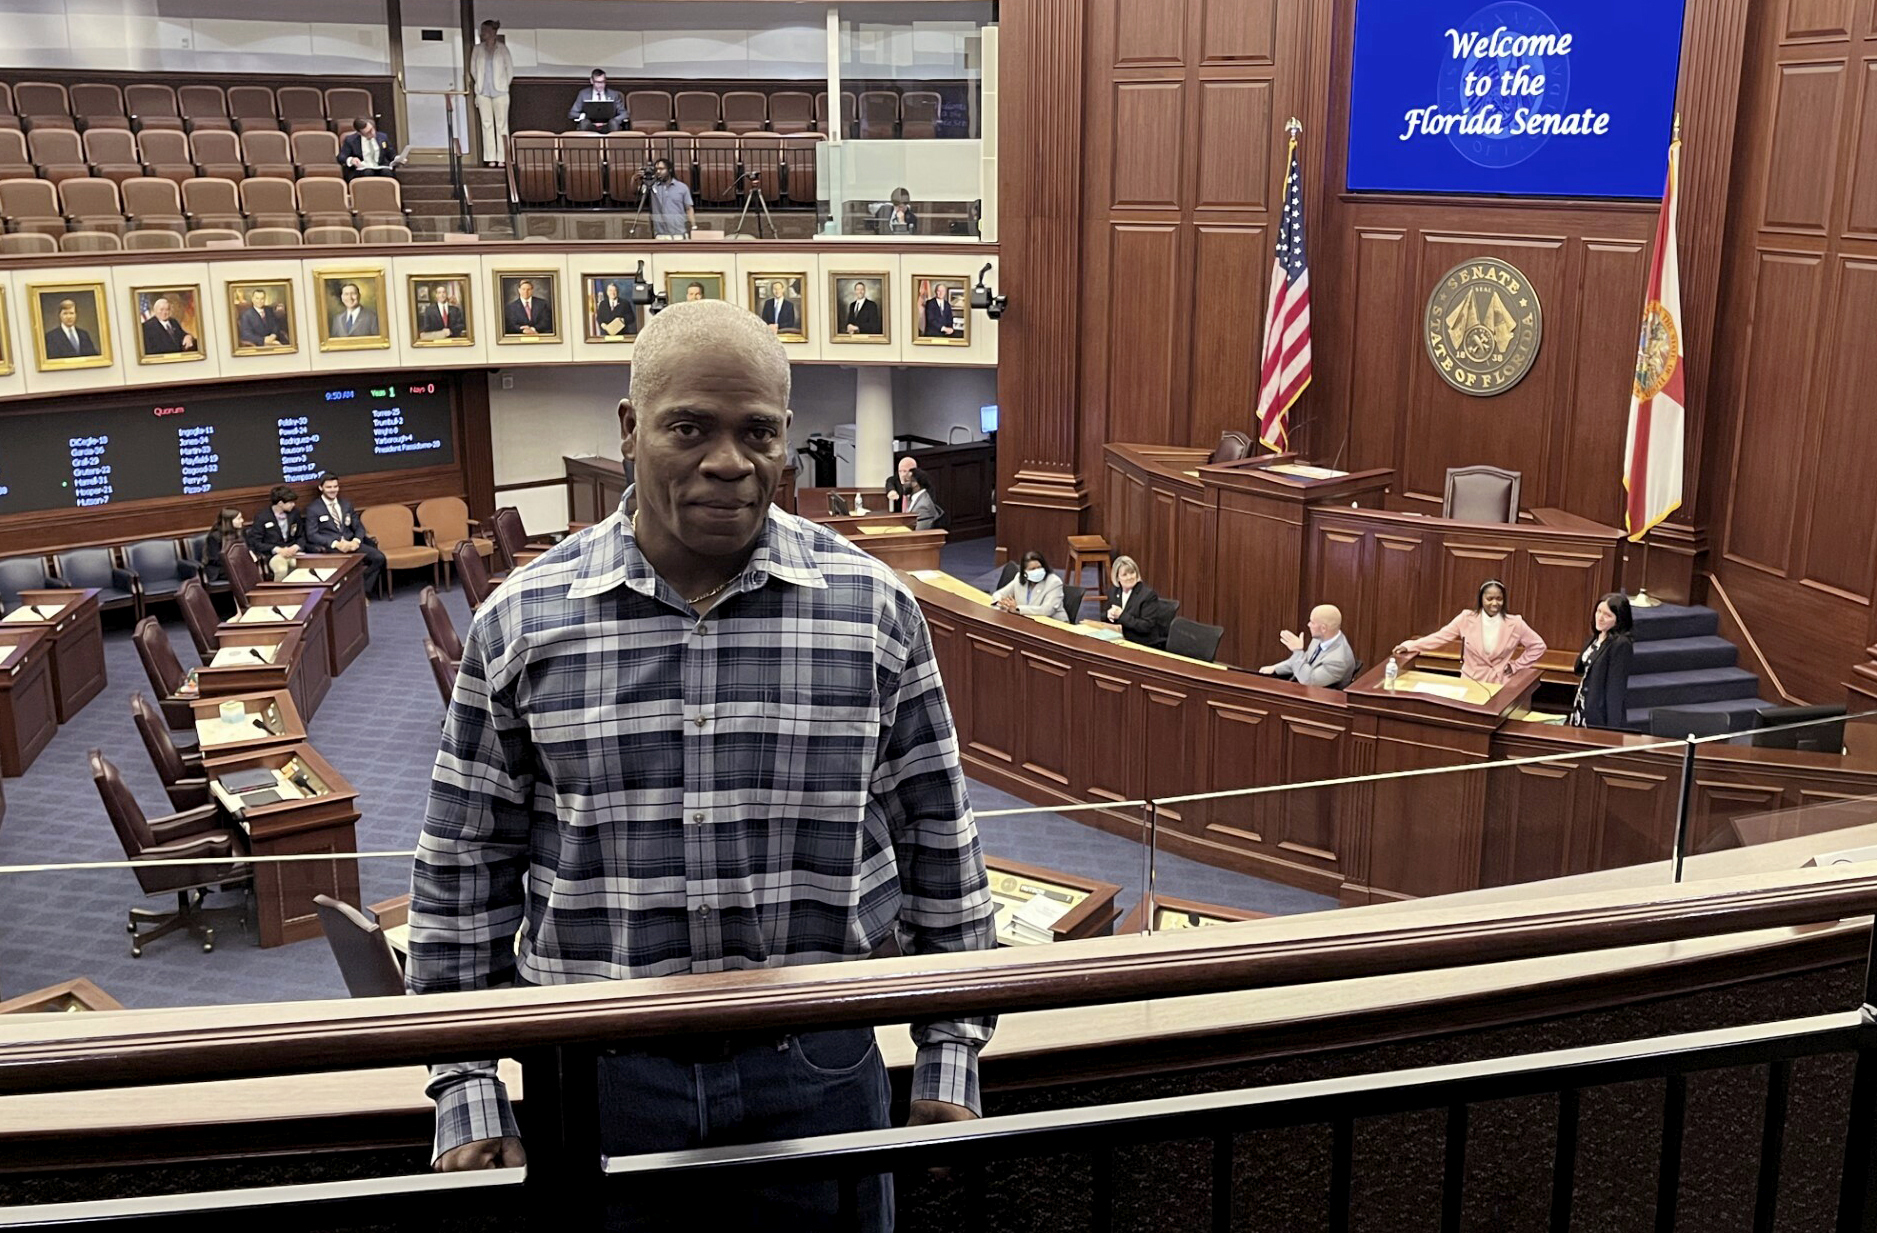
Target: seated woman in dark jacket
x,y
1603,694
1132,604
226,532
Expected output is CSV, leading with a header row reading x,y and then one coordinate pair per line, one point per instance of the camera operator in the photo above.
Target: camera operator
x,y
673,215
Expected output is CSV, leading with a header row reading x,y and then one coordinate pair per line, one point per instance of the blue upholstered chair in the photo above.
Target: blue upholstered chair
x,y
21,574
96,567
159,566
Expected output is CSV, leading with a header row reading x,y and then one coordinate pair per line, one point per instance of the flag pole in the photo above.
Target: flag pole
x,y
1643,598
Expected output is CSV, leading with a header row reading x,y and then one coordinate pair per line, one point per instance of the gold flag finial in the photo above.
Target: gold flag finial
x,y
1678,126
1294,127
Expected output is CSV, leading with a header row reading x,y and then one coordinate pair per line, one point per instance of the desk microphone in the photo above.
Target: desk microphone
x,y
277,612
257,655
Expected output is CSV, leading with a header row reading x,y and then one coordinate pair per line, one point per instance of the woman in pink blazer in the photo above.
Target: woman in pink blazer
x,y
1494,645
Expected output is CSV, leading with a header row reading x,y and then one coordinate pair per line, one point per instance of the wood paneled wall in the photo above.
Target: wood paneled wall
x,y
1792,447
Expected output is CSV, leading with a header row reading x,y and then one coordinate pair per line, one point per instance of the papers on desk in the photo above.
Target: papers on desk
x,y
35,613
1304,471
243,656
267,614
310,575
212,731
928,575
884,530
1457,693
1028,911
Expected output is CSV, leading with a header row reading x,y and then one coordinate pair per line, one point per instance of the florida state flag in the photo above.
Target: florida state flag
x,y
1652,462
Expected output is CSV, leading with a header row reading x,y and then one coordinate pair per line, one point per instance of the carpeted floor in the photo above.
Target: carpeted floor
x,y
378,727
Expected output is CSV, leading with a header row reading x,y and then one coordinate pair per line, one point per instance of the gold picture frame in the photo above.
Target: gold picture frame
x,y
250,323
522,328
710,282
169,323
446,322
611,320
358,325
871,328
6,337
91,323
761,290
928,327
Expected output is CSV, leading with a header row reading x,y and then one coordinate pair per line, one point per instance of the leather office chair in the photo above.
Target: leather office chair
x,y
244,574
198,613
1679,722
1354,674
366,960
1004,575
165,672
443,670
437,624
96,567
21,574
1072,597
1232,446
181,773
837,506
512,541
477,582
1481,494
160,568
178,836
1194,639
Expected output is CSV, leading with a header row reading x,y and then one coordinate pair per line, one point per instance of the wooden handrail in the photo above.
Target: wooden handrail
x,y
255,1041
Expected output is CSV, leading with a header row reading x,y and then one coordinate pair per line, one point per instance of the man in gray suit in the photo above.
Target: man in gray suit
x,y
352,321
1327,660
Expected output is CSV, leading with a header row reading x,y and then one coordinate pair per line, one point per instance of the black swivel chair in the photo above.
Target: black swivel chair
x,y
1677,723
183,779
1004,575
366,960
1072,597
1194,639
1355,673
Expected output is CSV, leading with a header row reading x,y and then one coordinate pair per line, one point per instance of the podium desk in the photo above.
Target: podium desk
x,y
348,625
851,524
1071,907
318,814
900,547
269,720
278,609
258,661
28,710
71,615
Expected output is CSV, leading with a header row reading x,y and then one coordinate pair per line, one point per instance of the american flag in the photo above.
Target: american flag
x,y
1286,370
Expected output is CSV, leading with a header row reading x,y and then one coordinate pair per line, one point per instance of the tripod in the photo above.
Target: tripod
x,y
645,192
754,192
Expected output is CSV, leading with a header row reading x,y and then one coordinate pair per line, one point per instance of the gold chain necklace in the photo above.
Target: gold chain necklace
x,y
713,593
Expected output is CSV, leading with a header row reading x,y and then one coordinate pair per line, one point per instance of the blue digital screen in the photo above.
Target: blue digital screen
x,y
987,419
1565,98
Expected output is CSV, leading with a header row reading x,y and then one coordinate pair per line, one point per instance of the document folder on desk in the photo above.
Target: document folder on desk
x,y
248,781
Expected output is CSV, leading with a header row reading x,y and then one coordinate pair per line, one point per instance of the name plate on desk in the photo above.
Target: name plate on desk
x,y
239,656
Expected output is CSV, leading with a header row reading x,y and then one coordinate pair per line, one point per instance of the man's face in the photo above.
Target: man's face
x,y
612,293
285,506
708,452
348,296
906,467
662,170
1321,628
160,310
525,291
488,36
942,294
329,488
694,292
68,314
257,300
776,291
860,292
599,81
370,130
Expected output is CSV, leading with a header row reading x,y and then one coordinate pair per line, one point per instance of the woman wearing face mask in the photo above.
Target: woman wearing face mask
x,y
1494,644
1603,694
1033,592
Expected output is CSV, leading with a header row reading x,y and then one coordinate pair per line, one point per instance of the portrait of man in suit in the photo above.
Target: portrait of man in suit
x,y
350,301
779,300
528,307
68,320
941,311
171,329
860,308
440,318
703,285
263,317
611,314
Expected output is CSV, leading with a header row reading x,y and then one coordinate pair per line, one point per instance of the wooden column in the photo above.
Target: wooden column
x,y
1041,497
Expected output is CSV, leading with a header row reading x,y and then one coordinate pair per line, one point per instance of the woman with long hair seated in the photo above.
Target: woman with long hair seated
x,y
224,537
1495,645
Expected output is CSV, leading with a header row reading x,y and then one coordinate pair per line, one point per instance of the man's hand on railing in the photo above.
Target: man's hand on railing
x,y
500,1154
925,1113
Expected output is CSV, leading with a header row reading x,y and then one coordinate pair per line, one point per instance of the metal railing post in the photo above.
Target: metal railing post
x,y
1682,802
1152,839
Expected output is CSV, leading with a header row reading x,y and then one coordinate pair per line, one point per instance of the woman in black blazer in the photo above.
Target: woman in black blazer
x,y
1603,694
1133,606
228,530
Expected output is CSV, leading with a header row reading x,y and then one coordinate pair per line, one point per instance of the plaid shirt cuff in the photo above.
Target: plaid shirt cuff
x,y
473,1109
948,1072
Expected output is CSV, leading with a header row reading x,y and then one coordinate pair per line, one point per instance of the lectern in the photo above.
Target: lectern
x,y
309,808
253,660
70,615
348,627
28,711
274,610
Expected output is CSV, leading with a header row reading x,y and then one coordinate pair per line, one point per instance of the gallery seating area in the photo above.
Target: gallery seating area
x,y
97,214
86,107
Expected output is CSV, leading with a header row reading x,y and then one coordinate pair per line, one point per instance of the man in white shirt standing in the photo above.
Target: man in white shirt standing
x,y
491,69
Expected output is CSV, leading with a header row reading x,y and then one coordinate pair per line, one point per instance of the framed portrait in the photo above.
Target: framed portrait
x,y
6,337
612,317
70,327
781,300
682,287
260,317
858,308
353,312
941,310
530,305
440,315
169,324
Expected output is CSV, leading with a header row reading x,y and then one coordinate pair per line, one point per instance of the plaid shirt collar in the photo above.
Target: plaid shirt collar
x,y
783,551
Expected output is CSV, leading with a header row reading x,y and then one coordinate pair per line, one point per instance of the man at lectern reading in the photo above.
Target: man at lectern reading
x,y
702,735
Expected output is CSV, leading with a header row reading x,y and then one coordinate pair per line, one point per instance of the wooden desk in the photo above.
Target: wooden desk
x,y
77,643
29,716
323,822
272,709
901,547
1254,545
850,524
1137,724
66,997
348,624
283,668
276,609
1171,915
814,501
1091,911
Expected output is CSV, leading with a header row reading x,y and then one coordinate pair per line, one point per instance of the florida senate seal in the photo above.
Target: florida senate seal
x,y
1483,326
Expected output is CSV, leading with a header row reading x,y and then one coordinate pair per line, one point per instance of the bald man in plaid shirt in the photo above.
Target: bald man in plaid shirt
x,y
702,735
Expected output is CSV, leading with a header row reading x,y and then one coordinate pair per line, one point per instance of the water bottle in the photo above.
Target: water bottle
x,y
1389,673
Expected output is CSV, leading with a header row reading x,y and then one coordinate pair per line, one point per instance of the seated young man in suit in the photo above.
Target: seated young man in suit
x,y
367,151
1326,660
332,525
278,533
1135,607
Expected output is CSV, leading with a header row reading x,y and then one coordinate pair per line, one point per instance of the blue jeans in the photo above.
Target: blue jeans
x,y
816,1083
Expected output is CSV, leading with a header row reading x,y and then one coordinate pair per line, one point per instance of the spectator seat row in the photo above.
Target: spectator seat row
x,y
592,169
118,154
873,114
148,106
151,203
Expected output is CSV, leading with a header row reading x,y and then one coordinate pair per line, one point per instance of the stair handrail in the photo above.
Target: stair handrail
x,y
465,216
1764,664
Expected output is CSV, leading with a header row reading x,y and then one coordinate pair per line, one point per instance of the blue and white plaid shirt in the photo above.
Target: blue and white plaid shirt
x,y
644,792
